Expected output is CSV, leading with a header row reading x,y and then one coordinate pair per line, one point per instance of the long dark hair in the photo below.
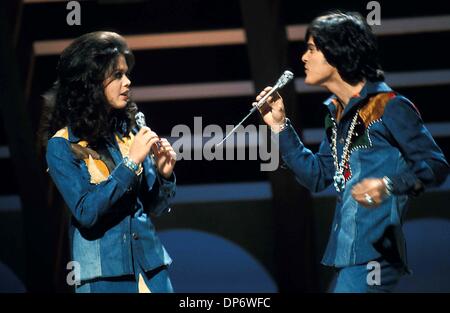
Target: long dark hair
x,y
348,43
77,98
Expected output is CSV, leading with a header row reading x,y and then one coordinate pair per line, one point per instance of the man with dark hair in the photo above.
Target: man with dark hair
x,y
376,151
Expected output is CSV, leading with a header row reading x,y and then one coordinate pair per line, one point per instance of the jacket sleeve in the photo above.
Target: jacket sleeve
x,y
427,164
86,202
157,192
314,171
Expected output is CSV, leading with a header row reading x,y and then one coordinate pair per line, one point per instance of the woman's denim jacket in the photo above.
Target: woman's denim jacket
x,y
110,206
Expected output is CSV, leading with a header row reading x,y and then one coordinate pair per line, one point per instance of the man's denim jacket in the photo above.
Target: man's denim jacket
x,y
110,206
390,140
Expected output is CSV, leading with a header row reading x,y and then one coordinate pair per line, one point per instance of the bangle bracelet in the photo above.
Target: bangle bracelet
x,y
279,127
130,164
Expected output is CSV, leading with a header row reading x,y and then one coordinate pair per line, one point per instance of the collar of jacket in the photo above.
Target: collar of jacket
x,y
120,132
75,139
71,137
370,88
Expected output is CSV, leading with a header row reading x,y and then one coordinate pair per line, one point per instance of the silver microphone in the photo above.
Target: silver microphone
x,y
140,122
140,119
285,78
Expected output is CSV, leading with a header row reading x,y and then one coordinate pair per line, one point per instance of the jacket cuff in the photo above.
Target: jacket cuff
x,y
289,141
406,183
168,186
124,176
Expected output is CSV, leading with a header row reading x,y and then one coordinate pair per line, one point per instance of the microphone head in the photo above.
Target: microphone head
x,y
285,78
140,119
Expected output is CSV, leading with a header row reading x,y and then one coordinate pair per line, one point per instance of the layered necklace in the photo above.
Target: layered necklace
x,y
339,178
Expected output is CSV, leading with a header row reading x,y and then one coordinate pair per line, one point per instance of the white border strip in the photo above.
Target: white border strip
x,y
246,88
399,26
193,91
158,41
418,78
413,25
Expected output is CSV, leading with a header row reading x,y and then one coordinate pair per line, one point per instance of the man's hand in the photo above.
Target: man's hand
x,y
272,110
370,192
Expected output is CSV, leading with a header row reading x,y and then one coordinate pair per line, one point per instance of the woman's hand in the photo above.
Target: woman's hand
x,y
165,158
273,109
142,143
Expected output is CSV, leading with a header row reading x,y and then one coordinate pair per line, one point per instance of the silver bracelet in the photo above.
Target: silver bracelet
x,y
133,166
280,127
388,185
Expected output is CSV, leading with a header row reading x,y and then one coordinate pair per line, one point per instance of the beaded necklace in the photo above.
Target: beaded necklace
x,y
339,178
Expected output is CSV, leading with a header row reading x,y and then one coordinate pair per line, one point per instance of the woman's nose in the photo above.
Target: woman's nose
x,y
127,81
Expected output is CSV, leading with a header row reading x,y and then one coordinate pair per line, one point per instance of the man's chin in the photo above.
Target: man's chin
x,y
311,82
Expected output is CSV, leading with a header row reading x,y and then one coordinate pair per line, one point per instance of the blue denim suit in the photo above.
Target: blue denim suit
x,y
110,224
391,140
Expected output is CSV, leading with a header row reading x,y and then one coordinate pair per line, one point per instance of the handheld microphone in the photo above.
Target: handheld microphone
x,y
285,78
140,122
140,119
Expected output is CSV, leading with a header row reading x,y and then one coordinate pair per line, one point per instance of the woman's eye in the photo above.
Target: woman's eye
x,y
118,75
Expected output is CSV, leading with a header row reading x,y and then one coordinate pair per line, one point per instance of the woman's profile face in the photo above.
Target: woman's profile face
x,y
117,85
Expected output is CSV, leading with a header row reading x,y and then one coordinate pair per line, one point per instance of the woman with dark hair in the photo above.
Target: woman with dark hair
x,y
111,176
376,152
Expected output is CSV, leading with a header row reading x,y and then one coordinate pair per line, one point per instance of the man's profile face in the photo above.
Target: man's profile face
x,y
317,69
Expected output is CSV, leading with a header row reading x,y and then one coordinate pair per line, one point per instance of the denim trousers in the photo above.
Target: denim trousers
x,y
157,281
